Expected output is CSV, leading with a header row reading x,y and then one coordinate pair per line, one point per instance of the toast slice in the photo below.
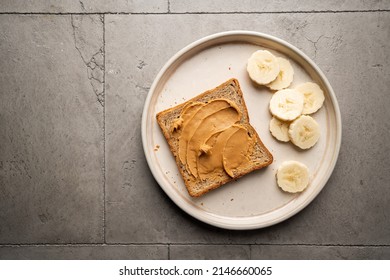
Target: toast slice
x,y
249,155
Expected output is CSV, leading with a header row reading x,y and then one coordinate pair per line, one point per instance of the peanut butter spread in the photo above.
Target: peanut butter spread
x,y
212,143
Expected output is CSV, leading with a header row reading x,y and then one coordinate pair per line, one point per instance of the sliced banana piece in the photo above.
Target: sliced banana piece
x,y
292,176
263,67
285,76
304,132
286,104
279,129
313,97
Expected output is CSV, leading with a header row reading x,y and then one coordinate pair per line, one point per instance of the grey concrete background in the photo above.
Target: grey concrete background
x,y
74,183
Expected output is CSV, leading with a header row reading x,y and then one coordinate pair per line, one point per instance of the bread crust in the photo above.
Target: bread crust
x,y
261,158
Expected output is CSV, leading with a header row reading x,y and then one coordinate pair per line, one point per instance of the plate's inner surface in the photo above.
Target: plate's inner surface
x,y
256,193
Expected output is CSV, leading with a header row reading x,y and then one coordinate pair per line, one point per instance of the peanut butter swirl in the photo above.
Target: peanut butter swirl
x,y
212,143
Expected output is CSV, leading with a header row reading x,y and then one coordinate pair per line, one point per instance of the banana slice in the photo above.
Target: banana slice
x,y
286,104
292,176
263,67
279,129
304,132
285,76
313,97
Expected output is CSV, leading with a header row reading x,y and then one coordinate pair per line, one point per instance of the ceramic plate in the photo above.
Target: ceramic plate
x,y
253,201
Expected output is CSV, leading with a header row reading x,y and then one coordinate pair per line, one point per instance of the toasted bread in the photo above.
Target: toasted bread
x,y
258,157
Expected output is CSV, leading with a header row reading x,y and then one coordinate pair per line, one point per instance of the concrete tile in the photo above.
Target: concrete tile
x,y
209,252
302,252
183,6
84,6
51,152
352,209
130,187
84,252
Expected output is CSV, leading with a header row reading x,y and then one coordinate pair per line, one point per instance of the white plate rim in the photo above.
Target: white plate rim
x,y
241,223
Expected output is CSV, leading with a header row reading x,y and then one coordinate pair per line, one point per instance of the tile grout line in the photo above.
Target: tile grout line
x,y
186,244
104,129
194,13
